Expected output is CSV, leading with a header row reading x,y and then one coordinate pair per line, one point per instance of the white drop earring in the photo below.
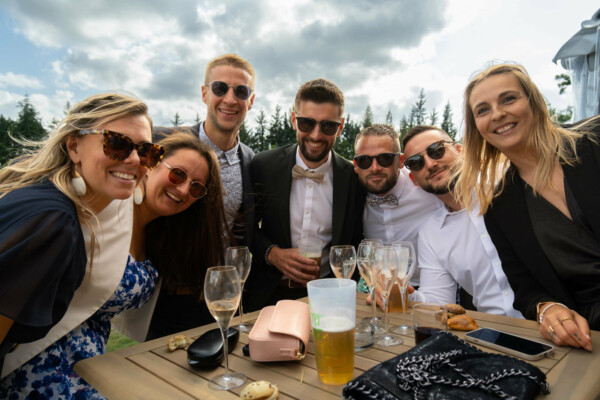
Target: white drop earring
x,y
78,184
138,196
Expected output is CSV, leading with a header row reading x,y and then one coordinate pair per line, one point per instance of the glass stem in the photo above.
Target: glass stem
x,y
373,301
225,350
385,313
241,313
402,290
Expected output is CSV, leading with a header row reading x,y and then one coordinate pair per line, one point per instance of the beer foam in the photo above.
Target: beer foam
x,y
335,324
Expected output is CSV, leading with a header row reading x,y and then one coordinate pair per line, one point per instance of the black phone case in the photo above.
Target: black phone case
x,y
207,350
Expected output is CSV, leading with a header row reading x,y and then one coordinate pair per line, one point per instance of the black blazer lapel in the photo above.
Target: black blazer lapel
x,y
287,162
341,182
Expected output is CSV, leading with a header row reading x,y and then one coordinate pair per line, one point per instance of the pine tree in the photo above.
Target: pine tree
x,y
6,143
260,133
176,121
275,137
368,119
197,119
289,134
447,123
244,134
419,109
344,145
433,117
388,118
404,127
28,127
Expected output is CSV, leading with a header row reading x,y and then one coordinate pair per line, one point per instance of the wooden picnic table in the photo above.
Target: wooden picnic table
x,y
149,371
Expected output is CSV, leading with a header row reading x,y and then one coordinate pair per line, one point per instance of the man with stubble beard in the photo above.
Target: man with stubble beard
x,y
303,190
454,246
396,208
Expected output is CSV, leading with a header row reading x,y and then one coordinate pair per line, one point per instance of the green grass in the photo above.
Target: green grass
x,y
117,341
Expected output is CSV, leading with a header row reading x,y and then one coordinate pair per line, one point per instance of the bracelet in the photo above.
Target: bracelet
x,y
547,306
267,254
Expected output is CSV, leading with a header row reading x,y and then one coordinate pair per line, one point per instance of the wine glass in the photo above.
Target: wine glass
x,y
385,269
365,257
406,268
222,292
342,260
240,258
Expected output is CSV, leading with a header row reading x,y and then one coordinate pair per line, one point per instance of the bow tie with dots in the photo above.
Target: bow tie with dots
x,y
389,200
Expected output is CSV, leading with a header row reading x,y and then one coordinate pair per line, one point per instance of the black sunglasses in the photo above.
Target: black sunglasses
x,y
384,160
118,147
220,89
177,176
328,128
435,151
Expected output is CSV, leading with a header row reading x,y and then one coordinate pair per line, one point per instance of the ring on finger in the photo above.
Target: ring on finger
x,y
550,330
566,319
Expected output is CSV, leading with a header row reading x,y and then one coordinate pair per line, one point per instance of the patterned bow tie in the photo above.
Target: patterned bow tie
x,y
389,199
299,172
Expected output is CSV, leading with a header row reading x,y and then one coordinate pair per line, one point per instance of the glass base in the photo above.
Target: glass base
x,y
246,328
227,381
403,329
377,324
389,340
364,336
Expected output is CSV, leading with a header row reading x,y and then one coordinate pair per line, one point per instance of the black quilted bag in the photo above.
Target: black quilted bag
x,y
446,367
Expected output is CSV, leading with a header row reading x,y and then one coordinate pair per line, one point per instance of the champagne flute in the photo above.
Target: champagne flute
x,y
385,271
365,258
406,268
240,258
222,291
342,260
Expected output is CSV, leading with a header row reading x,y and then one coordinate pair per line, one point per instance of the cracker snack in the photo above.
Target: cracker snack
x,y
260,390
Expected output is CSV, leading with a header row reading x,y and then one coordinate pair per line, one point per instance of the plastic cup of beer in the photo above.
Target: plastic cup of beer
x,y
311,247
332,314
429,319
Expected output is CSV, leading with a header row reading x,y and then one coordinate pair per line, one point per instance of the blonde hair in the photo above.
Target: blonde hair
x,y
52,161
232,60
484,166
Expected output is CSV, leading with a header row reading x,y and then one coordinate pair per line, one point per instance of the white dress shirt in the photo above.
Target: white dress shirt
x,y
454,247
402,222
311,208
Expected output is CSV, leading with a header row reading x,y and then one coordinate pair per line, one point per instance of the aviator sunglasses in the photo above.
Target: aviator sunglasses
x,y
306,125
177,176
220,89
384,160
118,147
435,151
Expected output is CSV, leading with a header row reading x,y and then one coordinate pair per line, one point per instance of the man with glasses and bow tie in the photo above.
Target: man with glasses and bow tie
x,y
303,190
228,93
396,208
454,246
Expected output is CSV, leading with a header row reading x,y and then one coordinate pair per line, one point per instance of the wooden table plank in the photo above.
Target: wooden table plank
x,y
149,371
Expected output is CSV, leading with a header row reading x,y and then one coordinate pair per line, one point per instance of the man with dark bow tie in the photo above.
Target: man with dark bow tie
x,y
302,190
396,208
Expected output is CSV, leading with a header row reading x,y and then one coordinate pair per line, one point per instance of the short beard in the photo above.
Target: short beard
x,y
444,189
319,157
387,186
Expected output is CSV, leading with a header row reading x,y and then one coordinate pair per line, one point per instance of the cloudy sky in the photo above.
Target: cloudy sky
x,y
379,52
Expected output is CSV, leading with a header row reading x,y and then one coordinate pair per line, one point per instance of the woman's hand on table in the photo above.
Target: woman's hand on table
x,y
565,327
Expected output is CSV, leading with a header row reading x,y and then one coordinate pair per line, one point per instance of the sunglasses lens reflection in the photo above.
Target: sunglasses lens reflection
x,y
305,124
220,89
117,147
197,190
177,176
329,128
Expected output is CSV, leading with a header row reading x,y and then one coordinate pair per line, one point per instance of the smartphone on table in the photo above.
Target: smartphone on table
x,y
509,343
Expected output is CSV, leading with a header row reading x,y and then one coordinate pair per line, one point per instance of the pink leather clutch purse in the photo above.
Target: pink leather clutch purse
x,y
281,332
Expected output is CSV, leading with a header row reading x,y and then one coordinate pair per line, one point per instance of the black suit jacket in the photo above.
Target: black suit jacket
x,y
271,173
525,264
243,234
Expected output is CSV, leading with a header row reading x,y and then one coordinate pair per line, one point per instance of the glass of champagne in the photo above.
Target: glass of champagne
x,y
342,260
365,258
385,269
222,292
406,268
240,258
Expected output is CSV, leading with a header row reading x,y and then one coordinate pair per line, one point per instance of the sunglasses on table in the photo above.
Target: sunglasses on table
x,y
220,89
384,160
306,125
118,147
177,176
435,151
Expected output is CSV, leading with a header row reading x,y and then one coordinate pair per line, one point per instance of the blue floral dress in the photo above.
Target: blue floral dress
x,y
49,375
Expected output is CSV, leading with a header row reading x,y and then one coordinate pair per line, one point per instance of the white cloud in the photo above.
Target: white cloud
x,y
20,81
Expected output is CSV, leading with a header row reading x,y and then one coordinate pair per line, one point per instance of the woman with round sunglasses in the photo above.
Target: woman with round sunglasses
x,y
65,221
181,230
537,184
